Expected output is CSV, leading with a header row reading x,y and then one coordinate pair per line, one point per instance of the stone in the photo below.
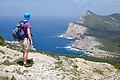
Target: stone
x,y
44,68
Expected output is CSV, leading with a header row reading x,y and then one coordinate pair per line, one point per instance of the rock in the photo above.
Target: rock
x,y
48,68
84,42
13,78
75,31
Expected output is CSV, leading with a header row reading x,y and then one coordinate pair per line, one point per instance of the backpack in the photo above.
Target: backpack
x,y
18,31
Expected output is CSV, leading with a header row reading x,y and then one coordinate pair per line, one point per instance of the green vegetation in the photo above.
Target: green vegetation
x,y
75,66
118,45
10,46
117,66
68,66
2,41
85,63
56,55
19,72
98,71
104,28
59,64
8,63
4,78
115,61
2,52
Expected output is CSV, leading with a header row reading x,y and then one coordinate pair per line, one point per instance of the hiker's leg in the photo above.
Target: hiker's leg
x,y
21,44
26,49
25,56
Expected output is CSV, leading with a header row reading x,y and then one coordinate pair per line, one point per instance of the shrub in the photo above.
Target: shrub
x,y
10,46
59,62
2,41
7,63
117,66
4,78
115,61
75,66
98,71
118,45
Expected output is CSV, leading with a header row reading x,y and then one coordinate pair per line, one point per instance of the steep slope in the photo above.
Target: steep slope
x,y
105,29
47,68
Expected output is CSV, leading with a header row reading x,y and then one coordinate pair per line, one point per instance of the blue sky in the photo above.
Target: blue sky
x,y
58,8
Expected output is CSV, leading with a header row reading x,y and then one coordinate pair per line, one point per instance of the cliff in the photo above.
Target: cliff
x,y
96,34
75,31
48,68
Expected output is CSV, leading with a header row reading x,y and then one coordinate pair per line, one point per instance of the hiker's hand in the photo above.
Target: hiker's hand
x,y
31,43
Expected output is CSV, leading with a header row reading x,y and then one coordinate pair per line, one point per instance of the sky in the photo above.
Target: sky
x,y
57,8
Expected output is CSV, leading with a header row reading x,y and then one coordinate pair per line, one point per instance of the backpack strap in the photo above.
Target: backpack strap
x,y
23,22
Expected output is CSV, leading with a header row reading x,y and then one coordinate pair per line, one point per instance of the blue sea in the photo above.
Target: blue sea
x,y
47,33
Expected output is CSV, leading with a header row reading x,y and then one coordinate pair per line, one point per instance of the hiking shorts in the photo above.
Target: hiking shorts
x,y
25,44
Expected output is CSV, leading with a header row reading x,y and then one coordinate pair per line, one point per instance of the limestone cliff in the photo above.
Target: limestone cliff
x,y
95,33
47,68
75,31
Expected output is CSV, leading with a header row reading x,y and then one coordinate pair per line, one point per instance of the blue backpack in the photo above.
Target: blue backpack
x,y
18,31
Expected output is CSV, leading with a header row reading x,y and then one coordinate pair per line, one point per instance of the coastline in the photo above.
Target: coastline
x,y
51,66
84,42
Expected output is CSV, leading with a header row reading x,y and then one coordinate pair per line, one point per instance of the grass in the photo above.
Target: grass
x,y
9,57
14,48
2,43
2,52
19,72
57,55
98,71
117,66
85,63
115,61
4,78
59,64
75,66
72,67
8,63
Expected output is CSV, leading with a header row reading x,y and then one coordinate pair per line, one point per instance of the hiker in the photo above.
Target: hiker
x,y
26,43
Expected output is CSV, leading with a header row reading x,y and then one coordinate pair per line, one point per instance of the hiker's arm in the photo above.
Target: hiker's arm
x,y
29,36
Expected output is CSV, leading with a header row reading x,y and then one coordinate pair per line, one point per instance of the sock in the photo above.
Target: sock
x,y
24,62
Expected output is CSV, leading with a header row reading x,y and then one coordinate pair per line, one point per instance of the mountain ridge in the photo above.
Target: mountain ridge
x,y
104,29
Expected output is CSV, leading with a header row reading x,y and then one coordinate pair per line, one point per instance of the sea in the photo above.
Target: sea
x,y
47,33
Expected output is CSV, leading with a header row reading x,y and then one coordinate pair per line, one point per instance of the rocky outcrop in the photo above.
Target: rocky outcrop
x,y
75,31
90,29
47,68
89,43
82,41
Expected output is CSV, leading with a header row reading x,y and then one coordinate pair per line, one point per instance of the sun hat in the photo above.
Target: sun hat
x,y
26,16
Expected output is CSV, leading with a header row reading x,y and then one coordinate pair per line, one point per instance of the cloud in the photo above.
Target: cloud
x,y
58,7
98,2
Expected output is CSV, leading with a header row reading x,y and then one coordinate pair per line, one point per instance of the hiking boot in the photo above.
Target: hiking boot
x,y
27,65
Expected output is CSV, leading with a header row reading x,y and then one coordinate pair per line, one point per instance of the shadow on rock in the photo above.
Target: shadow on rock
x,y
29,61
